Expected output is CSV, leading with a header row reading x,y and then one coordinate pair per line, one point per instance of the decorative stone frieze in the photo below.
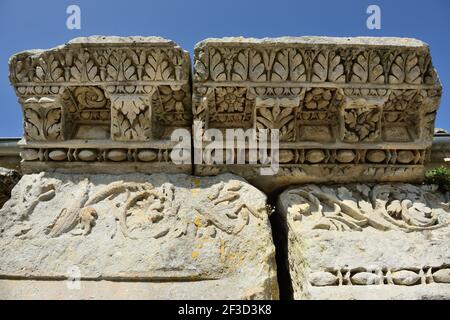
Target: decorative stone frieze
x,y
367,241
100,91
347,109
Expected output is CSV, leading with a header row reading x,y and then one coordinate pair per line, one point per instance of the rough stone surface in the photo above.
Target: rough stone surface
x,y
384,241
347,109
8,179
180,236
99,103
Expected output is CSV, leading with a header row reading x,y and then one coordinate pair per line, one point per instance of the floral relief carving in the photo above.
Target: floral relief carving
x,y
230,106
86,104
131,118
361,120
230,99
357,206
84,68
172,105
277,113
349,91
48,69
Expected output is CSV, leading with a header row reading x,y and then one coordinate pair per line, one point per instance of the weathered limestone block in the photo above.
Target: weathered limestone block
x,y
178,236
347,109
8,179
364,241
108,104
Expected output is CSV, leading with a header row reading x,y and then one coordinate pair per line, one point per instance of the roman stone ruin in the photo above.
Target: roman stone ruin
x,y
105,211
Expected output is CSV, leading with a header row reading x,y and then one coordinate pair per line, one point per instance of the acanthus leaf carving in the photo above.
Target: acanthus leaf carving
x,y
336,68
376,72
43,119
280,70
217,67
397,74
360,68
412,70
256,67
319,68
240,67
297,66
131,118
84,68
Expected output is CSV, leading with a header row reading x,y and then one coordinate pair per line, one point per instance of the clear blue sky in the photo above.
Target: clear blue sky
x,y
42,24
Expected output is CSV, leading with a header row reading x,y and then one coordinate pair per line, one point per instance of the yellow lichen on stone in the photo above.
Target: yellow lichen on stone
x,y
198,222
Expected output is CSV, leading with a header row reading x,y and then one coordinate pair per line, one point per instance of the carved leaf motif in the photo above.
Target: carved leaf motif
x,y
131,108
91,71
55,71
33,124
131,117
120,126
217,66
277,118
40,74
359,68
129,70
240,67
77,70
113,66
151,67
21,71
319,70
397,74
412,70
362,124
280,68
256,67
165,71
201,63
142,127
336,69
53,124
297,67
138,56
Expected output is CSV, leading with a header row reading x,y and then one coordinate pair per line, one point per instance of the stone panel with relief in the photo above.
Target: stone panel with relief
x,y
136,236
103,103
366,241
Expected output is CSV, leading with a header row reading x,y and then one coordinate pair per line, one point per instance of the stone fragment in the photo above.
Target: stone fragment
x,y
335,101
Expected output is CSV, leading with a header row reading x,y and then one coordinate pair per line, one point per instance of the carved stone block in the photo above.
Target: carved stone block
x,y
101,96
352,104
148,236
367,241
